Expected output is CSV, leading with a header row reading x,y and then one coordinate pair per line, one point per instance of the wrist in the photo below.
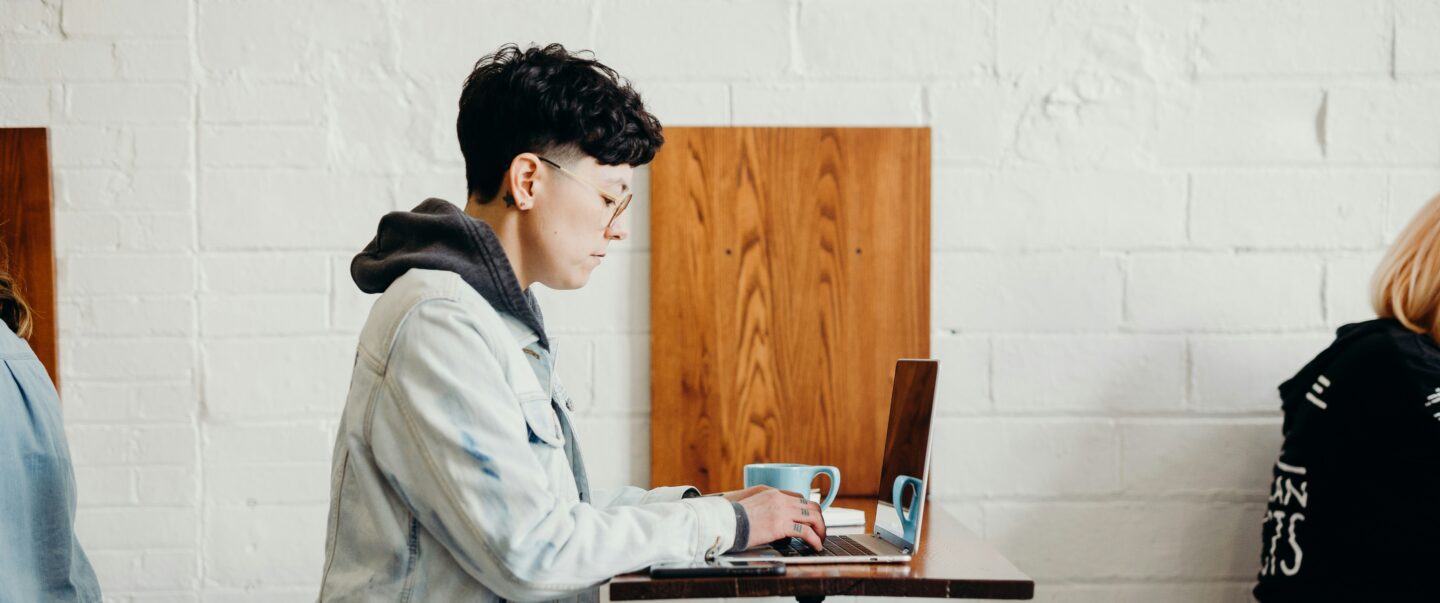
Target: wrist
x,y
742,528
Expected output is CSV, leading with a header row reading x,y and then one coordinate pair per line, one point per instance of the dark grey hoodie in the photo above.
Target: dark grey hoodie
x,y
436,235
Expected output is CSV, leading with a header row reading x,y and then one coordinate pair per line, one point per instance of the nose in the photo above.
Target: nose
x,y
619,229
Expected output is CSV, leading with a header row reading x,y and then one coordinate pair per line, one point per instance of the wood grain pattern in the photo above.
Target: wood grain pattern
x,y
790,269
27,233
952,563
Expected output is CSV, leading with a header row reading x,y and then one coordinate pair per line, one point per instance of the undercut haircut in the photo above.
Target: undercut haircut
x,y
551,102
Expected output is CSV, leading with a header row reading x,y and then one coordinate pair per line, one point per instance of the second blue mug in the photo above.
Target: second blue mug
x,y
909,516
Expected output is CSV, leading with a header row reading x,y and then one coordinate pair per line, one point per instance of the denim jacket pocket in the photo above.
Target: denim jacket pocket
x,y
540,418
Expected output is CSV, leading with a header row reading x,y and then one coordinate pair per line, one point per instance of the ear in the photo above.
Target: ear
x,y
521,179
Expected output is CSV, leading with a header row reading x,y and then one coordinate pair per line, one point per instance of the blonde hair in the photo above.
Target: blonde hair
x,y
13,309
1406,286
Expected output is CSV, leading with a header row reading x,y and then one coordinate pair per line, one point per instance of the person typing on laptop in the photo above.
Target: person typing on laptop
x,y
899,508
457,469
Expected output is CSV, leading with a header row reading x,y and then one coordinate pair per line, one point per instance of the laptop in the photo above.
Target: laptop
x,y
907,456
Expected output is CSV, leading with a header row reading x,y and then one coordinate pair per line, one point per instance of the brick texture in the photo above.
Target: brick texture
x,y
1145,216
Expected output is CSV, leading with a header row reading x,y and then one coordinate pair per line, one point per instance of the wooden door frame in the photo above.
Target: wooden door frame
x,y
27,232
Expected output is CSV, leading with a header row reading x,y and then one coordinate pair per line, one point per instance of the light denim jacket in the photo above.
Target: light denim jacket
x,y
450,480
40,558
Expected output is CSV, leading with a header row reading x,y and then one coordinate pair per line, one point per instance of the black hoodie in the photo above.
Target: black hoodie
x,y
1354,497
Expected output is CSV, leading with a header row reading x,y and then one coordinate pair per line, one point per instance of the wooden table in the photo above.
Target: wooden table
x,y
953,563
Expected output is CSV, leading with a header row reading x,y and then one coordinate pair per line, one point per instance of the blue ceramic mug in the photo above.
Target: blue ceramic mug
x,y
909,518
792,477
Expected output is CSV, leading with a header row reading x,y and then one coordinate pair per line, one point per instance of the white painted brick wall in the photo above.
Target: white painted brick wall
x,y
1319,210
1045,457
965,124
942,38
1169,456
1328,38
818,104
1394,125
1070,291
1347,291
1040,209
1145,216
1210,292
132,103
1408,191
1416,51
126,18
141,189
1088,374
702,40
269,545
1242,124
1239,374
429,51
963,388
298,374
40,61
1127,540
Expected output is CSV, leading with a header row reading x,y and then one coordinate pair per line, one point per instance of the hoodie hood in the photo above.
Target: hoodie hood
x,y
437,235
1416,352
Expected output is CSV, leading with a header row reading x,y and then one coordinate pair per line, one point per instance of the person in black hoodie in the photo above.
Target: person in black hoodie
x,y
1353,496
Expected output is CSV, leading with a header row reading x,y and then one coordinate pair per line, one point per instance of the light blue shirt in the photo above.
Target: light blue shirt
x,y
40,559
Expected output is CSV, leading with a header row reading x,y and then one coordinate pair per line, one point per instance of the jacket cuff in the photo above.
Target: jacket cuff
x,y
715,525
742,528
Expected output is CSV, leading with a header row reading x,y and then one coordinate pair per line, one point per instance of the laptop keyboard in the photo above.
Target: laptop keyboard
x,y
835,546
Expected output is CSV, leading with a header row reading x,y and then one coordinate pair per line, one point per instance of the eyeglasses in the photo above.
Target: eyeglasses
x,y
620,202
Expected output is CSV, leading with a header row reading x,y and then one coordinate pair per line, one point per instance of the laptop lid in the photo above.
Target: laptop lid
x,y
906,469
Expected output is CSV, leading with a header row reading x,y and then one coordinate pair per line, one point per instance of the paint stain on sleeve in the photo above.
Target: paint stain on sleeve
x,y
487,464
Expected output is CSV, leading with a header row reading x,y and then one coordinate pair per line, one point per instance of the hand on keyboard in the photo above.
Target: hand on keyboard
x,y
776,514
835,546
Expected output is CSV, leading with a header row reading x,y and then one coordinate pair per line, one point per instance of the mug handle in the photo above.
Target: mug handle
x,y
907,514
834,483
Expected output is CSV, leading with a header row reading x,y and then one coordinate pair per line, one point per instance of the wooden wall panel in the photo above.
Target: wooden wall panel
x,y
790,269
27,233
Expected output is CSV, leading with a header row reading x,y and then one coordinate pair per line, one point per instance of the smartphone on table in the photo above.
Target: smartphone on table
x,y
719,567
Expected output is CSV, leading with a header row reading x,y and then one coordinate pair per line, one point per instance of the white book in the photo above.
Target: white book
x,y
840,517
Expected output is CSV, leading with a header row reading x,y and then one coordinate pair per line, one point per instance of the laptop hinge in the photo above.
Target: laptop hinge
x,y
895,541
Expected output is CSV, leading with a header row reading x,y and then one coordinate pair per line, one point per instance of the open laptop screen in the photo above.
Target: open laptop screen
x,y
907,445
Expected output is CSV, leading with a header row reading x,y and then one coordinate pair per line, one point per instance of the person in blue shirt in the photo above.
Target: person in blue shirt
x,y
40,558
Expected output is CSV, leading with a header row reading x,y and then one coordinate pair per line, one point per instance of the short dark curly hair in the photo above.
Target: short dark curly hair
x,y
548,100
